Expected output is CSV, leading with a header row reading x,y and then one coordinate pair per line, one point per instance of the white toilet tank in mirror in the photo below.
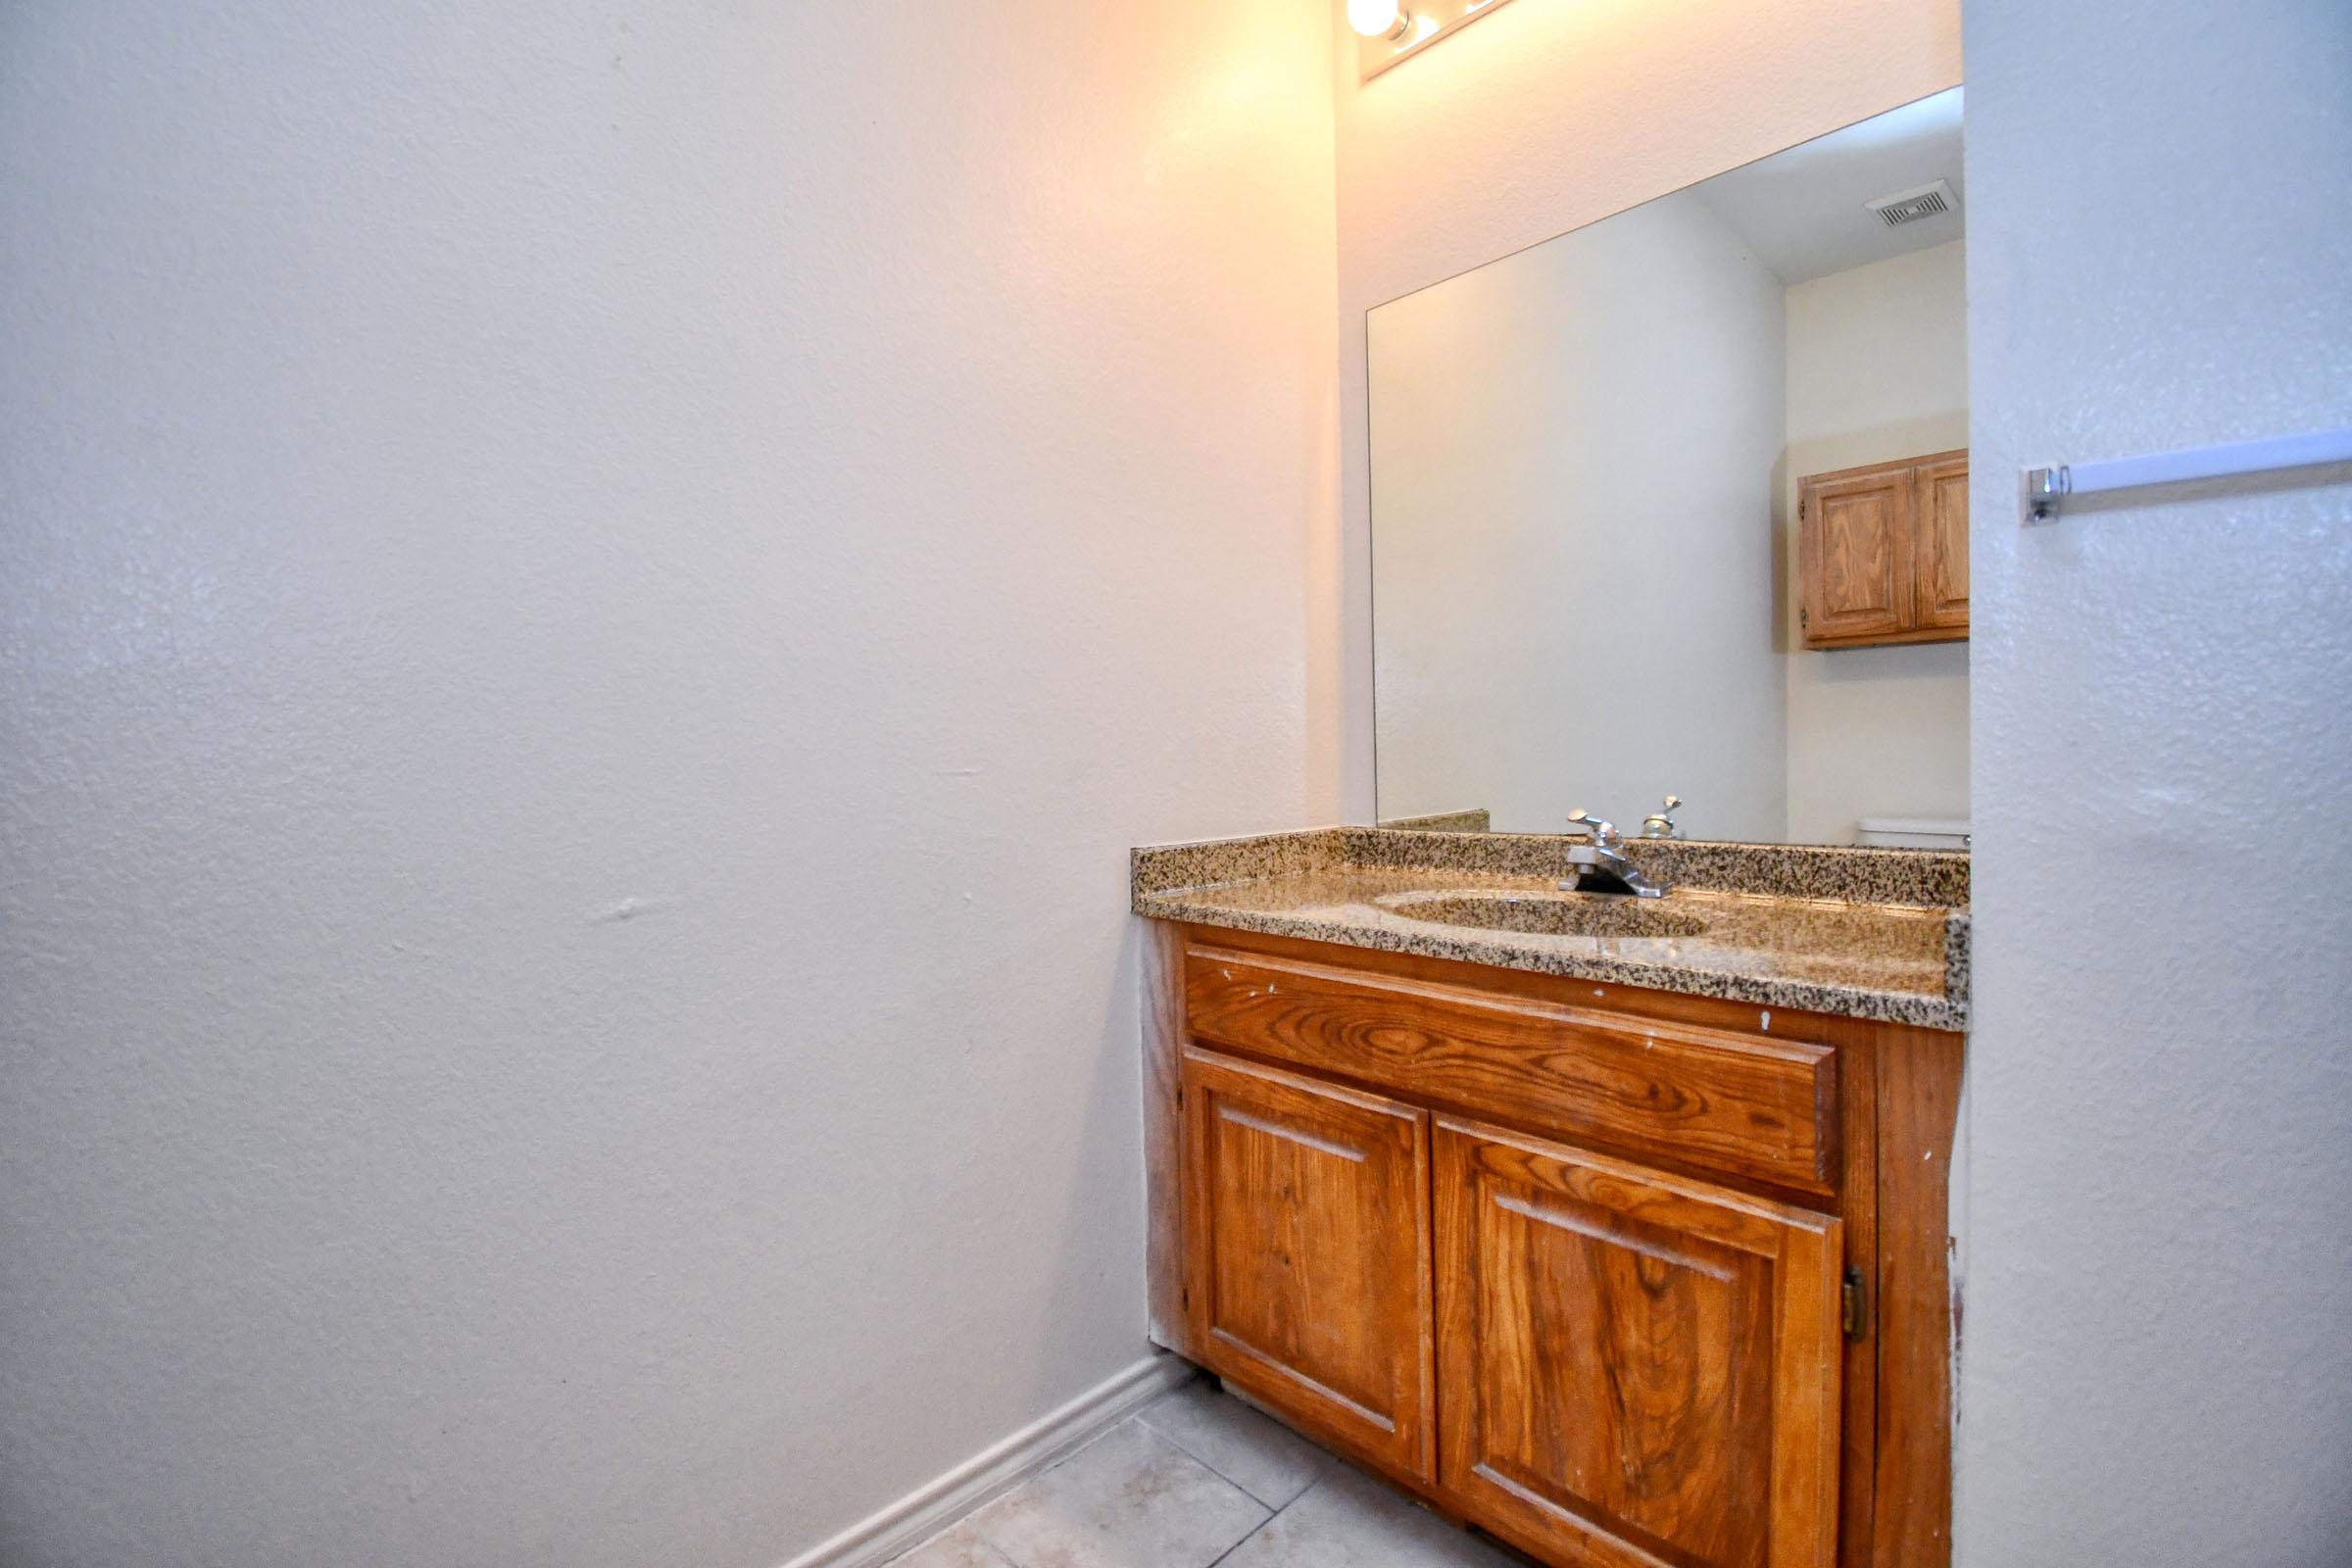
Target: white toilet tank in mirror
x,y
1677,502
1913,832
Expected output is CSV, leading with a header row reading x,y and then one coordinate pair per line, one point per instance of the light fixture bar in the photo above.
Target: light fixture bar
x,y
1424,22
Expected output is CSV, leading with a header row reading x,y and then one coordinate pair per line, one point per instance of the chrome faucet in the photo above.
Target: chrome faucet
x,y
1598,865
1661,824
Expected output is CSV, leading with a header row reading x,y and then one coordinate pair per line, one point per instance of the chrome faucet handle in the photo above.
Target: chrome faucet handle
x,y
1661,824
1599,829
1600,865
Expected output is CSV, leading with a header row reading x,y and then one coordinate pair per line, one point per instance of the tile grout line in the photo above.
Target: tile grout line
x,y
1139,1419
1143,1418
1262,1524
1177,1444
966,1520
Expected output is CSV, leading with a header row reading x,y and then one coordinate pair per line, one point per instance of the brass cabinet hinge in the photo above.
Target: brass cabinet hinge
x,y
1853,1310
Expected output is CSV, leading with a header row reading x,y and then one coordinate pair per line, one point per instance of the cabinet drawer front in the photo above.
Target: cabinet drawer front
x,y
1308,1245
1750,1107
1637,1370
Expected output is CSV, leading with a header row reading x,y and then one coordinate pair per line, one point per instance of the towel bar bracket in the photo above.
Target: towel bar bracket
x,y
2047,489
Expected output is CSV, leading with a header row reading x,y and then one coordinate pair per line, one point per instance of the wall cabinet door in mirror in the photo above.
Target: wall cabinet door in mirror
x,y
1637,1369
1855,555
1308,1268
1943,531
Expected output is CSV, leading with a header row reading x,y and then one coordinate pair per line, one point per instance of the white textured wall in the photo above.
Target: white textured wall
x,y
2156,1365
1878,369
1545,116
818,482
1575,450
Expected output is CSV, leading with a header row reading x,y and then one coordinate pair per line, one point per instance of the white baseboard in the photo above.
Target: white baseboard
x,y
934,1506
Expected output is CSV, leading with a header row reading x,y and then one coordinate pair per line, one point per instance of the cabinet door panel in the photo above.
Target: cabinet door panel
x,y
1943,543
1854,554
1308,1231
1639,1369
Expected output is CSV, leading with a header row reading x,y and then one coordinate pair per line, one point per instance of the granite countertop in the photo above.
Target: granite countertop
x,y
1879,934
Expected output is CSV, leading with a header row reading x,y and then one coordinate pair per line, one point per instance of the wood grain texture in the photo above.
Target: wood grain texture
x,y
1637,1369
1943,533
1858,1206
1161,984
1628,1003
1853,553
1883,553
1892,1498
1919,1106
1310,1278
1764,1108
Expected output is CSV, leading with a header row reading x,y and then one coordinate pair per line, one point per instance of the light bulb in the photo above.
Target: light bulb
x,y
1377,19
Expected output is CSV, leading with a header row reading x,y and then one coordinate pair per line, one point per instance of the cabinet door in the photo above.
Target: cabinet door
x,y
1854,554
1942,551
1637,1369
1307,1237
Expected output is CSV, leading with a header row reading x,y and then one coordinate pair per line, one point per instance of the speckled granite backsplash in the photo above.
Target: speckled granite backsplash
x,y
1933,879
1865,933
1475,820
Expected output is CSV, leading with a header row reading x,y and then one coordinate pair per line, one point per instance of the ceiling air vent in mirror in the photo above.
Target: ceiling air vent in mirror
x,y
1909,206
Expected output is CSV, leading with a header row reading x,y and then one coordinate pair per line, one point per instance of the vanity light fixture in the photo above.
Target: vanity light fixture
x,y
1386,31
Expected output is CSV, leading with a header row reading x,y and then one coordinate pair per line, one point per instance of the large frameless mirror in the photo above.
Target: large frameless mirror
x,y
1676,504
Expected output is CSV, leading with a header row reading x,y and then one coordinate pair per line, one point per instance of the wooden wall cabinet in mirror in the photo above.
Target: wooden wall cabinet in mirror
x,y
1883,553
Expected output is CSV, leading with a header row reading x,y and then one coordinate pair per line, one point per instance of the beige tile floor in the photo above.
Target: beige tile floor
x,y
1198,1478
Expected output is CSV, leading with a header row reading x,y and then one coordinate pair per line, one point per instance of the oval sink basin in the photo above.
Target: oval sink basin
x,y
1571,914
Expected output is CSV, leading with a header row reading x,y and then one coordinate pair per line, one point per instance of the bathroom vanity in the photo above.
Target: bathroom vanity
x,y
1614,1227
1615,1224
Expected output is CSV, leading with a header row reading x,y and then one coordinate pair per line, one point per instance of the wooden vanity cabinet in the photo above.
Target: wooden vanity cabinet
x,y
1636,1368
1307,1273
1437,1216
1883,553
